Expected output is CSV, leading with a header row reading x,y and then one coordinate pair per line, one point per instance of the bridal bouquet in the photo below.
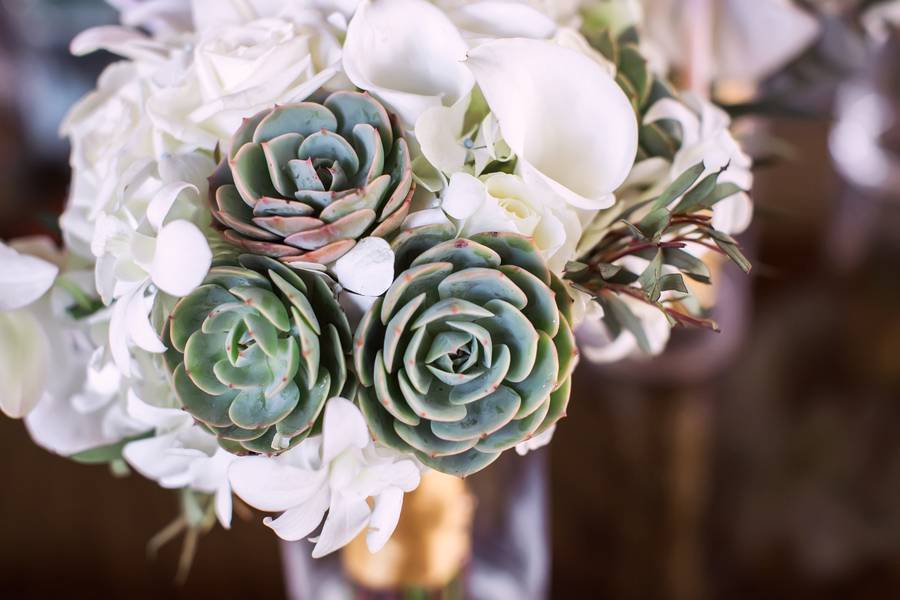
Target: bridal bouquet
x,y
315,247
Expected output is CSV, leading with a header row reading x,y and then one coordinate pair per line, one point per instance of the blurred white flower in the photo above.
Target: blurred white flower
x,y
180,455
706,137
537,442
158,16
23,278
408,53
336,472
881,18
568,122
599,345
747,39
502,202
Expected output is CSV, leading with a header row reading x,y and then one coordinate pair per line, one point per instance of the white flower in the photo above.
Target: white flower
x,y
109,131
408,53
240,69
598,345
336,472
23,278
706,137
568,122
748,39
486,19
148,242
502,202
180,455
881,18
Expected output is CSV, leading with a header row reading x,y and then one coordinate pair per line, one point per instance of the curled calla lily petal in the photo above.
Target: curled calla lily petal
x,y
368,268
587,149
182,258
408,53
23,278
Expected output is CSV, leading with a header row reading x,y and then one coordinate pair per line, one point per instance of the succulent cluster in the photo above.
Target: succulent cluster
x,y
470,351
303,182
256,351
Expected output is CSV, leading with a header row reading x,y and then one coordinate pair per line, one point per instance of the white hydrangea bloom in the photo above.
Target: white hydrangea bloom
x,y
338,472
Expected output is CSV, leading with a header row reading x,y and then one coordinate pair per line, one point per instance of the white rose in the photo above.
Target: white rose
x,y
108,131
241,69
502,202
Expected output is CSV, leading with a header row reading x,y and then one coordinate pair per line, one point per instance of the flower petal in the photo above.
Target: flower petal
x,y
384,519
24,354
344,427
347,517
378,55
297,523
464,196
567,120
368,268
182,258
271,485
494,19
23,278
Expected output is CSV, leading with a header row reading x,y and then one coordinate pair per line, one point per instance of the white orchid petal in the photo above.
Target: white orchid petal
x,y
23,278
182,258
140,331
151,458
271,485
368,268
494,19
428,216
375,479
343,427
297,523
464,196
224,505
347,517
566,119
165,199
384,519
154,416
408,53
118,336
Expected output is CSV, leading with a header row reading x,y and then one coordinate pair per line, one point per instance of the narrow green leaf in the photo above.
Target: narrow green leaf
x,y
678,187
693,200
654,223
721,192
735,254
673,282
687,263
649,279
619,316
106,454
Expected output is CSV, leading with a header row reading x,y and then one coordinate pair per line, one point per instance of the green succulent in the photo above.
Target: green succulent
x,y
256,351
469,352
303,182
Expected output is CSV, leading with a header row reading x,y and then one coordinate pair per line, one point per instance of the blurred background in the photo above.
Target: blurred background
x,y
762,462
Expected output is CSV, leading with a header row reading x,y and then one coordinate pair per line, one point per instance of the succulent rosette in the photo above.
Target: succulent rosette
x,y
303,182
256,351
469,352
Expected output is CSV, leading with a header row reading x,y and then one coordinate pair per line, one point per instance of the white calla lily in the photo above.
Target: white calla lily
x,y
569,123
408,53
337,471
502,19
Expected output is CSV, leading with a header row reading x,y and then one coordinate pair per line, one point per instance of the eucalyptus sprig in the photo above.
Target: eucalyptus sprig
x,y
659,231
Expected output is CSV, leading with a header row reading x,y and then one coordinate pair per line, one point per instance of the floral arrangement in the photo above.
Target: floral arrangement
x,y
313,248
